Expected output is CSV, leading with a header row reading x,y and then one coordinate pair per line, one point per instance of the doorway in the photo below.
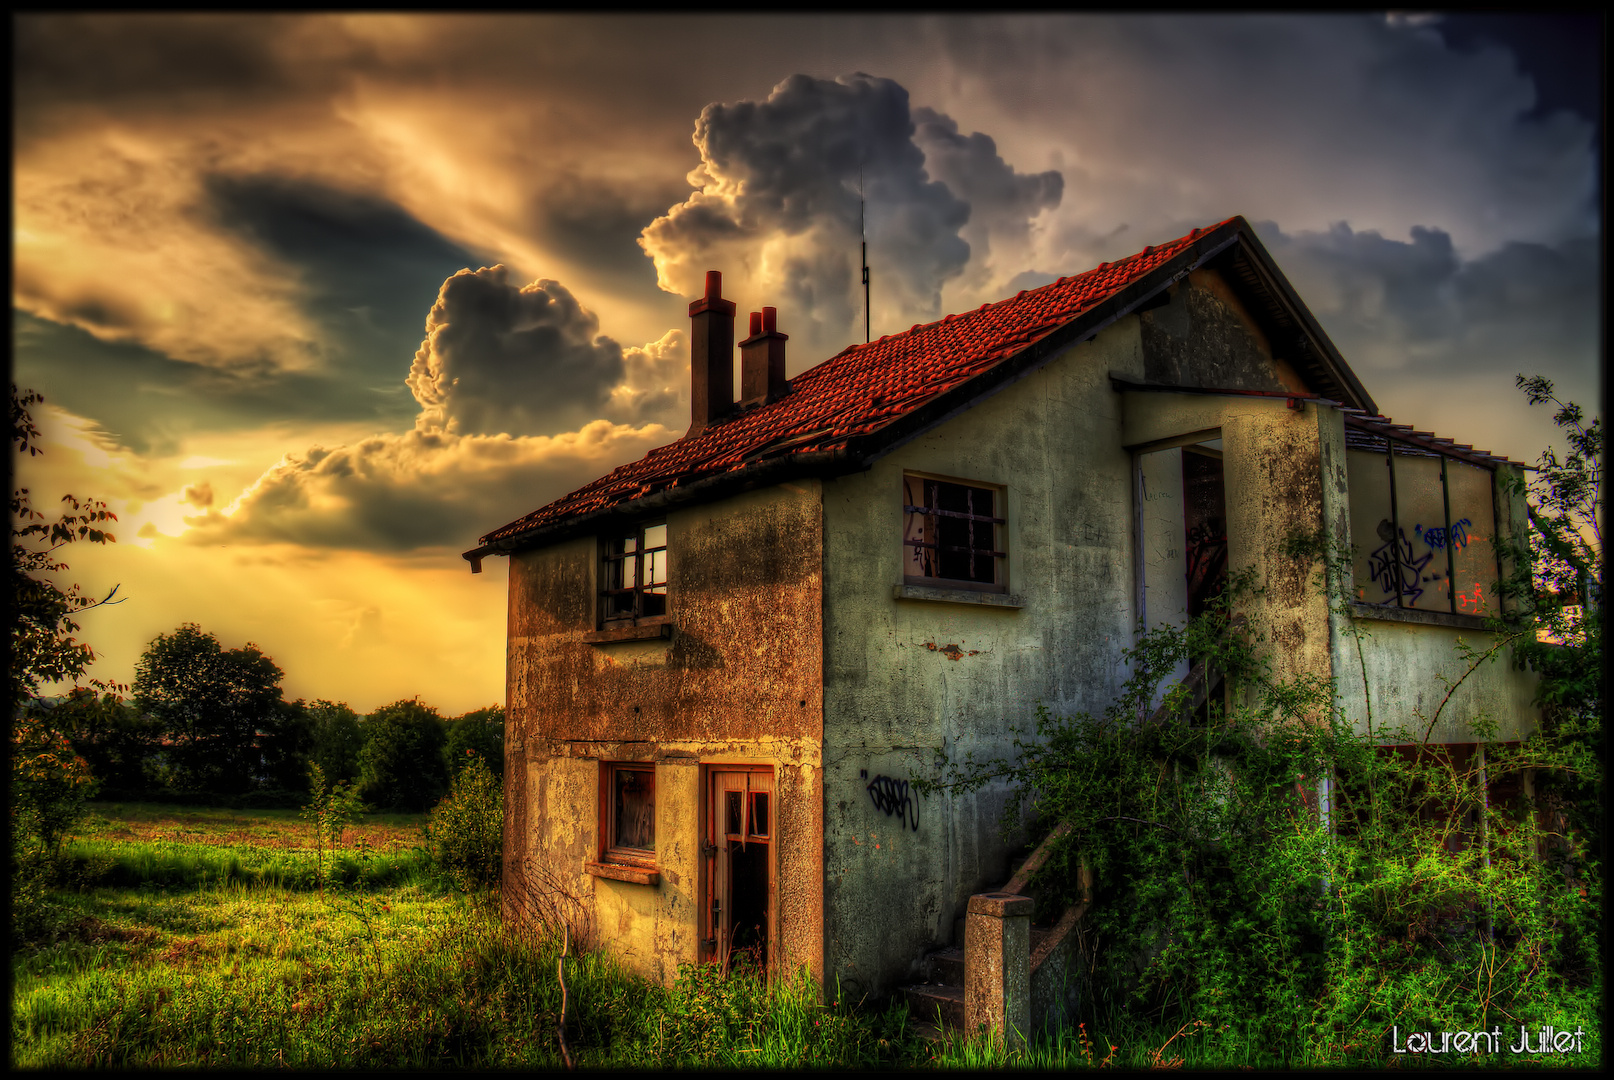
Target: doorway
x,y
739,907
1181,505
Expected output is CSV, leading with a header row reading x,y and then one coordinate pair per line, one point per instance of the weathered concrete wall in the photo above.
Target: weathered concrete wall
x,y
1205,337
739,682
904,679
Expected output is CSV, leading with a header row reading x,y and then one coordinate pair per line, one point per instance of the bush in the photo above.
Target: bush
x,y
465,836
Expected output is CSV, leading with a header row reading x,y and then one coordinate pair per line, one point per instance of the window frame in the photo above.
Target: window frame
x,y
605,617
998,517
1393,446
609,852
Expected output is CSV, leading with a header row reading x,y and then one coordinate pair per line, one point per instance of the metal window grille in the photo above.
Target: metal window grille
x,y
951,533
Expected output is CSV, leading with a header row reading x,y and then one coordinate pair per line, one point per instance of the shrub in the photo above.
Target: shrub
x,y
465,833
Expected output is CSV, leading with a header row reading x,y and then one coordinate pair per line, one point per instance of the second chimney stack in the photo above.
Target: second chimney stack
x,y
762,360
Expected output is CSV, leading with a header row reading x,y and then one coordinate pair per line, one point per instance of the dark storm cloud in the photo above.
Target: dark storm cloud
x,y
121,64
1414,307
369,267
596,223
1002,202
500,357
150,402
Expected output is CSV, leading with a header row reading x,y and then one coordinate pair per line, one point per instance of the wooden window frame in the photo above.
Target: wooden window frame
x,y
607,617
997,517
610,854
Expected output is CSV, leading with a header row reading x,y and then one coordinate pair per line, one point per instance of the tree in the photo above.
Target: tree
x,y
43,648
479,733
117,740
401,764
213,703
1562,571
337,740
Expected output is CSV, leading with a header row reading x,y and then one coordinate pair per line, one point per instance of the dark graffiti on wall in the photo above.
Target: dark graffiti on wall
x,y
1393,566
1435,536
1393,563
891,796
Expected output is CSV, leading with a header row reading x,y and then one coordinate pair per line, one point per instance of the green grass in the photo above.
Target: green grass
x,y
196,954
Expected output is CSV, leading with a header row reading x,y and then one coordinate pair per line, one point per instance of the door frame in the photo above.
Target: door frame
x,y
713,940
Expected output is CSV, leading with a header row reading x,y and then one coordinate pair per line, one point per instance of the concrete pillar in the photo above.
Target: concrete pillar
x,y
997,965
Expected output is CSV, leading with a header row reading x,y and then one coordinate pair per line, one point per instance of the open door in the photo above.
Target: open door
x,y
1182,539
739,870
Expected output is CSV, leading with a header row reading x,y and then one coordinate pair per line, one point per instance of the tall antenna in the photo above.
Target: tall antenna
x,y
863,235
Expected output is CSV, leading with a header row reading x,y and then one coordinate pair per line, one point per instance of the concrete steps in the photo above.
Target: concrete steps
x,y
936,1004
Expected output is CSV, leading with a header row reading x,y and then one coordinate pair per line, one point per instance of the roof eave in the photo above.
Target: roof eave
x,y
764,473
1354,393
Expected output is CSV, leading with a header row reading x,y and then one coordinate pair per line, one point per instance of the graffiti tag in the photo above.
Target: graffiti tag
x,y
891,796
1394,568
1436,538
1475,603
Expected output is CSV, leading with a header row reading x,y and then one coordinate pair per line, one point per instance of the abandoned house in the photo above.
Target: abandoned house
x,y
728,659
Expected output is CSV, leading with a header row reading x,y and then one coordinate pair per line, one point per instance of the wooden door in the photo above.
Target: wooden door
x,y
740,869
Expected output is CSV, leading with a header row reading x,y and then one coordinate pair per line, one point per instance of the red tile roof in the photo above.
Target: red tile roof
x,y
862,389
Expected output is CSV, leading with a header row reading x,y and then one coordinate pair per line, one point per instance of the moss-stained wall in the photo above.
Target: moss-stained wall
x,y
739,682
905,679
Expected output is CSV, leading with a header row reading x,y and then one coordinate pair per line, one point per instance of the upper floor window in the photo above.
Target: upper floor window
x,y
953,534
1422,523
633,576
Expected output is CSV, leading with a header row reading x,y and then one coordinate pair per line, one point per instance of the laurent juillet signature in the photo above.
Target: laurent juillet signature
x,y
1547,1040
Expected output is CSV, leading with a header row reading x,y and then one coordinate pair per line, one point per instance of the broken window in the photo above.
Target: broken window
x,y
628,813
633,576
1422,523
953,534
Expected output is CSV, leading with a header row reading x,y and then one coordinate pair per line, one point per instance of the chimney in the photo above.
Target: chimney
x,y
711,356
762,360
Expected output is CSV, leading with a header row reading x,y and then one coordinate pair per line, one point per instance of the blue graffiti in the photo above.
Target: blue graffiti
x,y
1394,561
1436,538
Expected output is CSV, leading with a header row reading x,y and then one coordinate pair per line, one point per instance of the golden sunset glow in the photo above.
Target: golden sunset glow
x,y
316,301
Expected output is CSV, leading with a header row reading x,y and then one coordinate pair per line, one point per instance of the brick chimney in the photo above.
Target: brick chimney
x,y
711,356
762,360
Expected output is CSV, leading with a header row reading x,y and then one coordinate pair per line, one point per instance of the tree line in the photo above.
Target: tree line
x,y
201,723
208,724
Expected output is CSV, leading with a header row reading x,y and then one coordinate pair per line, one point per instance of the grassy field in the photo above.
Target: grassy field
x,y
195,937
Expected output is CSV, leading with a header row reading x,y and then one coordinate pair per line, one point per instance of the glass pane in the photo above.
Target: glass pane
x,y
655,601
916,561
1371,528
655,536
635,809
736,823
1421,523
658,568
1473,529
630,571
759,813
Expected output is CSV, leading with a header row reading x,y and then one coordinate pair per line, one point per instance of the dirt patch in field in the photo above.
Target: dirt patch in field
x,y
94,931
230,832
182,951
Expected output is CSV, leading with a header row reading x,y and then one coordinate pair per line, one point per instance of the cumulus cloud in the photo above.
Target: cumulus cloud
x,y
777,201
422,488
521,400
502,357
1003,203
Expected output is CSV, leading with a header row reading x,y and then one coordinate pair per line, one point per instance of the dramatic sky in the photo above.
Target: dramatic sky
x,y
316,301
